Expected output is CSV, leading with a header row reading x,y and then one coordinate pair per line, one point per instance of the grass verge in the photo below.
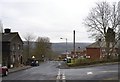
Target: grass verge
x,y
85,62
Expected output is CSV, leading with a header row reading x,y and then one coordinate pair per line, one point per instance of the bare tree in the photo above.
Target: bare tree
x,y
101,19
29,37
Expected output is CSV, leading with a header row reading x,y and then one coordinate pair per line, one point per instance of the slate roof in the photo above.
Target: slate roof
x,y
98,44
7,37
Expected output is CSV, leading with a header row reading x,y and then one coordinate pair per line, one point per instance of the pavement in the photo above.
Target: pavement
x,y
11,70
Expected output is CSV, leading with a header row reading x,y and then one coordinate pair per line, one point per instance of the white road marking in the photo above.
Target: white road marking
x,y
59,64
58,75
59,72
89,73
108,71
63,76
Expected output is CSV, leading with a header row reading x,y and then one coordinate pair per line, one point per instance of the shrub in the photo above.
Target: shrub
x,y
83,62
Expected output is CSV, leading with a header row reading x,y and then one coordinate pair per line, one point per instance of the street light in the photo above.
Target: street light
x,y
66,45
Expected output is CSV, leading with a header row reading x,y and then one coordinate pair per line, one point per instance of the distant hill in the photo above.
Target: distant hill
x,y
61,47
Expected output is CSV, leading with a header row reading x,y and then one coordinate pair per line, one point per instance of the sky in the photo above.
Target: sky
x,y
48,18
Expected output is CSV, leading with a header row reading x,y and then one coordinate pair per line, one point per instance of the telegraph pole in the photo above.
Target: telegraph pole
x,y
74,42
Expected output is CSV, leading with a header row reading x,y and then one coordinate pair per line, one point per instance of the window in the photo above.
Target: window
x,y
13,48
13,58
19,47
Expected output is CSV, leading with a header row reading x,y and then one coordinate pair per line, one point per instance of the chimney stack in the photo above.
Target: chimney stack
x,y
74,42
7,30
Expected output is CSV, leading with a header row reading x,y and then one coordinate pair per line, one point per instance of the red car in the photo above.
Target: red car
x,y
4,70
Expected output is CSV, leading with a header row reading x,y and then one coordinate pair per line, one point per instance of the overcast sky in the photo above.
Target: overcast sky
x,y
48,18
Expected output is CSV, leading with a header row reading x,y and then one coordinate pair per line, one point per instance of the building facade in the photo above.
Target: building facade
x,y
12,49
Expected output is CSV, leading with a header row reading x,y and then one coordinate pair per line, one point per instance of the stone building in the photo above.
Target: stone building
x,y
12,49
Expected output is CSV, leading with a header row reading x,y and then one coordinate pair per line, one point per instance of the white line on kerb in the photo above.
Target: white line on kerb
x,y
109,71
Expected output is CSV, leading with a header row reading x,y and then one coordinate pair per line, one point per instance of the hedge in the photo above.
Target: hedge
x,y
83,62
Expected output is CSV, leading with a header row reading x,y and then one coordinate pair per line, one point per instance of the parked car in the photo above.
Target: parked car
x,y
32,62
65,59
35,63
3,70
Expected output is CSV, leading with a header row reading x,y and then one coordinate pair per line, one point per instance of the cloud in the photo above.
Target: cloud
x,y
52,18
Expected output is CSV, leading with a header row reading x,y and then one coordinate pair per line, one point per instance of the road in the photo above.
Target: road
x,y
50,71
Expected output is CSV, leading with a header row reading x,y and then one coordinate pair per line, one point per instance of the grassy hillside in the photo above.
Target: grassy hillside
x,y
61,47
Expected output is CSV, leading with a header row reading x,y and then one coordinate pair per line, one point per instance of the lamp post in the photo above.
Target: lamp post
x,y
66,45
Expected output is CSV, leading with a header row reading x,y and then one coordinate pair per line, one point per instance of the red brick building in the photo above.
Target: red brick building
x,y
97,50
93,51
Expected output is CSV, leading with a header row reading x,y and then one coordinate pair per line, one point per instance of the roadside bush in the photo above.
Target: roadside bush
x,y
83,62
